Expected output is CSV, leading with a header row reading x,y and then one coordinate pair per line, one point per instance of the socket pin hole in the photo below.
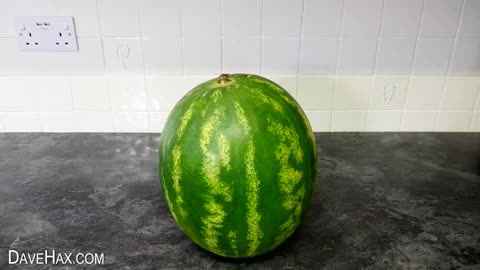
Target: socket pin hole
x,y
36,43
46,24
30,34
66,43
27,43
58,43
60,34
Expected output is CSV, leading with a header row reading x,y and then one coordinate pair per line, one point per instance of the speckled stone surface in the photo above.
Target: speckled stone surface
x,y
383,201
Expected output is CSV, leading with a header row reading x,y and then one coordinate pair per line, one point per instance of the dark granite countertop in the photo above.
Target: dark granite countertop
x,y
383,201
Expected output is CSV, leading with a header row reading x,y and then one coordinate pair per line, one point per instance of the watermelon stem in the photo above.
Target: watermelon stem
x,y
223,78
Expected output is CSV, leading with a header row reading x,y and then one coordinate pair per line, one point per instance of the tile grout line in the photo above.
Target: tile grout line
x,y
474,107
182,41
444,89
373,74
140,16
109,97
261,36
69,81
221,37
3,123
166,111
440,105
77,75
100,32
455,38
300,48
410,74
106,78
340,38
36,107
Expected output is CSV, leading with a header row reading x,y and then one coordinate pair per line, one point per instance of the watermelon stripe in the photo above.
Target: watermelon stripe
x,y
266,100
176,177
232,237
217,94
282,93
177,166
211,169
253,217
288,176
169,202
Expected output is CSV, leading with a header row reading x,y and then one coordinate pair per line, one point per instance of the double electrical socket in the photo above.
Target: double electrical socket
x,y
53,33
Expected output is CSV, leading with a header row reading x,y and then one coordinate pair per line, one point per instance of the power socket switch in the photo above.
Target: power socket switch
x,y
46,34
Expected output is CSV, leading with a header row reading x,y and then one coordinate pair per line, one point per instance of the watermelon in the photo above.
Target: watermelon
x,y
237,161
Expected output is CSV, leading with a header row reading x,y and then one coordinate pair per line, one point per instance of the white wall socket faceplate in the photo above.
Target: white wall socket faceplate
x,y
53,33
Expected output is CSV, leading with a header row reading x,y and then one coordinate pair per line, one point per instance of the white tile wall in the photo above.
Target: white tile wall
x,y
475,126
280,55
77,122
454,121
10,9
123,55
322,18
401,18
332,103
241,55
16,95
282,18
127,93
161,19
357,55
383,120
371,65
242,18
191,81
316,93
352,92
424,93
164,92
319,120
52,94
202,56
395,55
22,122
440,18
201,18
419,120
288,82
163,56
470,22
348,121
5,19
131,121
88,60
466,57
90,93
319,55
157,121
2,126
174,31
389,92
113,20
85,14
432,56
460,93
362,18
